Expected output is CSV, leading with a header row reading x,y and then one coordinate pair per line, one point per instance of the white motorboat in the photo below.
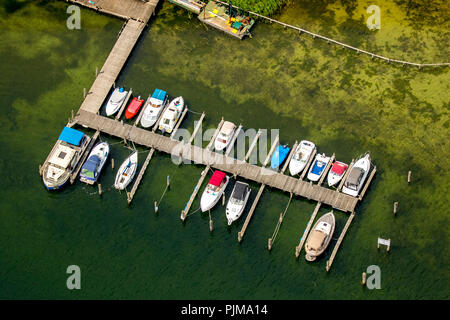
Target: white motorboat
x,y
126,172
356,177
115,101
224,136
214,190
171,115
64,158
90,171
336,173
238,200
301,157
318,167
154,108
320,237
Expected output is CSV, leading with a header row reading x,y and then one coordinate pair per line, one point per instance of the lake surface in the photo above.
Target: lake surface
x,y
346,103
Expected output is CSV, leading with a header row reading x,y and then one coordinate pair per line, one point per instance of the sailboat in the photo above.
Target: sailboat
x,y
116,100
214,190
154,108
320,237
301,157
126,172
357,176
318,167
336,173
90,171
278,157
238,200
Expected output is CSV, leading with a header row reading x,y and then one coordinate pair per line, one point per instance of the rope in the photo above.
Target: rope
x,y
194,112
167,186
277,227
190,214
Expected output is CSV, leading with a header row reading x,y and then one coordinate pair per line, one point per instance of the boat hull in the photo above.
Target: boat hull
x,y
102,151
111,107
364,164
126,172
318,167
279,156
207,202
234,211
311,254
305,148
163,127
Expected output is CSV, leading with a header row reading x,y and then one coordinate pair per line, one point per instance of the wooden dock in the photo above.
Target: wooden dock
x,y
250,213
197,127
185,211
306,232
130,194
311,159
80,163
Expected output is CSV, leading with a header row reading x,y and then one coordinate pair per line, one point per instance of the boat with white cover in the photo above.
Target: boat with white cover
x,y
237,202
356,177
320,236
154,108
171,115
64,157
115,101
301,157
214,190
126,172
225,135
90,171
318,167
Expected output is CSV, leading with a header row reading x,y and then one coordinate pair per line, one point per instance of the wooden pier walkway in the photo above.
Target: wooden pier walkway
x,y
221,162
130,195
75,173
306,232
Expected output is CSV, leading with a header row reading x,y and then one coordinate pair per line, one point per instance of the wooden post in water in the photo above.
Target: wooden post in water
x,y
84,93
156,207
269,244
99,189
112,163
96,72
395,207
363,280
409,176
223,199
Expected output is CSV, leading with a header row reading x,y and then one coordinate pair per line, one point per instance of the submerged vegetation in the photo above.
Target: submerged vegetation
x,y
264,7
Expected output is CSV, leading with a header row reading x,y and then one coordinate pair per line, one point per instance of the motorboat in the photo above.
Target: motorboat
x,y
171,115
320,236
278,157
224,136
115,101
126,172
238,200
64,158
336,173
301,157
318,167
214,190
91,169
357,175
133,107
153,108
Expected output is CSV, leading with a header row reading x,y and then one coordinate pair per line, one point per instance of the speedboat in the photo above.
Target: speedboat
x,y
320,237
154,108
171,115
238,200
225,135
116,100
64,158
301,157
214,190
336,173
133,107
318,167
91,169
278,157
357,176
126,172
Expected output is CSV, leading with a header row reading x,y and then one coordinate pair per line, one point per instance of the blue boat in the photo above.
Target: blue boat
x,y
279,156
94,164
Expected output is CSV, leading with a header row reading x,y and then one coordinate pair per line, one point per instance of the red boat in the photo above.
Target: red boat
x,y
133,107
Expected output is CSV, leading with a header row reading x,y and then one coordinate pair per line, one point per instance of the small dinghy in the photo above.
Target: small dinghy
x,y
336,173
116,100
278,157
301,157
171,115
238,200
214,190
225,135
154,108
320,237
357,176
133,107
94,164
318,167
126,172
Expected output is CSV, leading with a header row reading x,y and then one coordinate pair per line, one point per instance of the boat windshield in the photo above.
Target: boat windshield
x,y
87,173
236,201
213,188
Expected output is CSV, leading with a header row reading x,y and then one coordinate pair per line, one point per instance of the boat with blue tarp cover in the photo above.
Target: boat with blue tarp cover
x,y
94,164
64,157
279,156
153,108
318,167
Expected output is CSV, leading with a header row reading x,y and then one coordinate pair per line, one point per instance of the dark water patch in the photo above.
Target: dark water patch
x,y
12,6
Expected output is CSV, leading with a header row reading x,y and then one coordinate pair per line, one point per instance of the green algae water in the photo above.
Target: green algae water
x,y
344,102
